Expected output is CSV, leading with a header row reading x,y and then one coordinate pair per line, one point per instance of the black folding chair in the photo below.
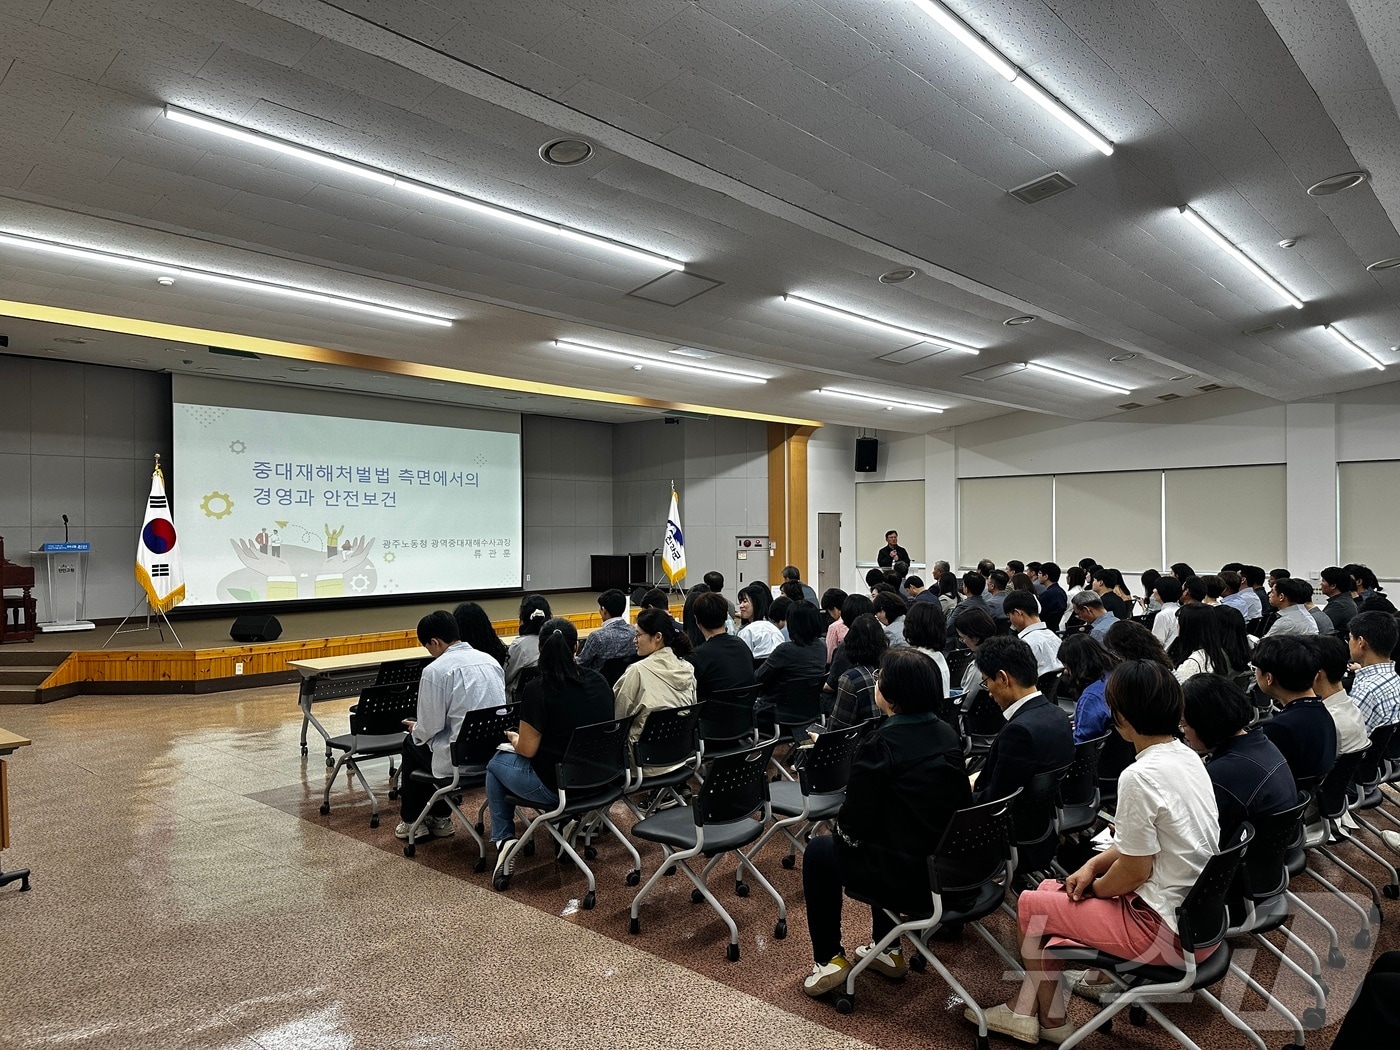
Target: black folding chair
x,y
670,737
482,731
796,705
718,822
728,722
1323,820
376,731
591,776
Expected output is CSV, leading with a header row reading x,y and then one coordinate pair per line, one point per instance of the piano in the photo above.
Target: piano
x,y
20,614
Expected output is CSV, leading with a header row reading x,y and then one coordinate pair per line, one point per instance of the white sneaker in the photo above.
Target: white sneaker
x,y
504,861
889,964
401,832
441,827
827,977
1391,839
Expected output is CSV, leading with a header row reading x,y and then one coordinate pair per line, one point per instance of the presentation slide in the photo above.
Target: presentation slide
x,y
276,506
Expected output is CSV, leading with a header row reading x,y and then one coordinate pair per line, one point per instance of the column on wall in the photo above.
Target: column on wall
x,y
787,494
1310,447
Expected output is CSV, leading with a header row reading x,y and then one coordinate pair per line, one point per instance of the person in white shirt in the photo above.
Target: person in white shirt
x,y
1164,626
1290,597
757,631
1332,658
1124,899
1023,611
1240,597
459,680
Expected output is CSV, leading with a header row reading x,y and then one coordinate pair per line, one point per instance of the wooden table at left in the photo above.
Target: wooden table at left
x,y
9,743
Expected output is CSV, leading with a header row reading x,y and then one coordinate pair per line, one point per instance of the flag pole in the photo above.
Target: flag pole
x,y
145,599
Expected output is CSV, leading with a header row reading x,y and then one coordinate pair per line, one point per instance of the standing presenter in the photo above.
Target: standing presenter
x,y
891,552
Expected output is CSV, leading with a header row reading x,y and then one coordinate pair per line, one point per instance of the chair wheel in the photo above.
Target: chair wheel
x,y
780,930
410,850
696,896
500,883
480,866
330,762
668,873
303,749
1362,939
590,853
374,821
1137,1016
634,925
845,1003
1314,1017
981,1042
789,862
325,808
480,828
590,901
1392,892
634,878
741,889
394,795
528,850
918,963
732,953
1336,959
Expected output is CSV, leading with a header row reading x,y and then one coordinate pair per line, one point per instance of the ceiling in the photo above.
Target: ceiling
x,y
773,146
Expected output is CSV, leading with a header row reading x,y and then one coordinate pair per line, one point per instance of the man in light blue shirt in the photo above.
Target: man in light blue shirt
x,y
1240,597
1088,606
1290,597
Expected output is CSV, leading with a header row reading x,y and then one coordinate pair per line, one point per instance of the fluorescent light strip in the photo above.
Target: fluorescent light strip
x,y
851,395
388,178
1354,346
1060,373
1008,70
162,269
908,333
1240,257
673,366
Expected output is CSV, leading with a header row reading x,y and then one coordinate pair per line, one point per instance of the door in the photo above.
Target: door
x,y
828,552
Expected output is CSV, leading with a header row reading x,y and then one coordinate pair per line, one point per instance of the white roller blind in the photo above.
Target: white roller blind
x,y
1369,497
885,505
1001,518
1223,514
1115,518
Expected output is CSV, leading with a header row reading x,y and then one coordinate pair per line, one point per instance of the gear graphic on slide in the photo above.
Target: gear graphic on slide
x,y
237,447
216,505
389,556
359,583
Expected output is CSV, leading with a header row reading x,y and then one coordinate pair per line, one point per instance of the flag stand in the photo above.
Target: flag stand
x,y
140,630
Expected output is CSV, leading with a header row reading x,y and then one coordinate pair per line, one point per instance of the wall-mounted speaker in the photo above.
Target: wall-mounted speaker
x,y
867,455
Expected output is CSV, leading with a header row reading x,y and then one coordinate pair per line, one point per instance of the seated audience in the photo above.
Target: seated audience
x,y
1215,588
1149,602
1020,581
832,598
1250,775
890,610
564,697
1124,899
914,587
1285,669
1198,648
475,627
1193,591
688,624
1105,583
1254,579
759,633
656,598
1375,1012
1239,595
1376,689
1023,613
972,630
1036,737
1053,599
460,679
1288,596
926,631
1182,572
1167,593
525,650
662,677
997,582
802,656
947,592
715,582
1130,640
855,688
778,614
1087,665
855,605
906,782
792,574
612,641
986,567
722,660
973,584
1337,586
1332,656
1367,586
1089,608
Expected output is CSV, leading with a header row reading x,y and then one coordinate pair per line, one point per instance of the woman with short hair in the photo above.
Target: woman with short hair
x,y
525,650
1087,667
478,632
758,632
855,689
662,677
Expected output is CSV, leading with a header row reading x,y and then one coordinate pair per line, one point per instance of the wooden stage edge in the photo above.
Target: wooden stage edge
x,y
212,670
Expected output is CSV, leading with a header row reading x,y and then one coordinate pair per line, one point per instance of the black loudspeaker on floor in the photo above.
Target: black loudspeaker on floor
x,y
256,629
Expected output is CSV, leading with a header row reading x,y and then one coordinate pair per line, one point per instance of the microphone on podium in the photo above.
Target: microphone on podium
x,y
65,528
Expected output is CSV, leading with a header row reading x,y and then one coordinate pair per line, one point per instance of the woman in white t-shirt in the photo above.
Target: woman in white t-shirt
x,y
758,632
1124,900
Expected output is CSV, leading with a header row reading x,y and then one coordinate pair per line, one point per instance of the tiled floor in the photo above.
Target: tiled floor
x,y
188,893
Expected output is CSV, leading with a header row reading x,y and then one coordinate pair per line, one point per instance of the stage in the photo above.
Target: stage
x,y
55,666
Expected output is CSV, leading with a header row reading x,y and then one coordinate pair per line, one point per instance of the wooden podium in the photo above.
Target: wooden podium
x,y
20,619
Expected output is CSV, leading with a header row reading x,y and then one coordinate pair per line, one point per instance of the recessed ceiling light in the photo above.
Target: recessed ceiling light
x,y
73,342
1288,242
136,360
1354,346
1074,377
1120,358
1019,319
875,401
277,377
691,351
565,152
1336,183
1233,250
848,316
297,368
165,280
1180,378
1375,267
898,276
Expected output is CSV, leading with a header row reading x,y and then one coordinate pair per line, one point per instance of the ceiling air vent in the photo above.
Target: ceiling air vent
x,y
1274,327
1037,190
1129,404
1209,387
1168,397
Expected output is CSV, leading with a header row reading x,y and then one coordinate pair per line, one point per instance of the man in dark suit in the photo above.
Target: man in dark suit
x,y
1036,738
891,552
722,660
